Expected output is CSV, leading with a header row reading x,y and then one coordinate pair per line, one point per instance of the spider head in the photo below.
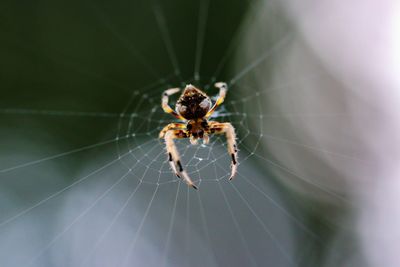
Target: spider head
x,y
193,103
197,128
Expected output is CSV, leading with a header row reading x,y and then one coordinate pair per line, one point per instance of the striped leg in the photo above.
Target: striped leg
x,y
164,102
223,88
173,155
227,129
171,126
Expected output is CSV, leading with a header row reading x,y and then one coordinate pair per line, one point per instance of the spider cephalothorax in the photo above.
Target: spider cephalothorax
x,y
194,107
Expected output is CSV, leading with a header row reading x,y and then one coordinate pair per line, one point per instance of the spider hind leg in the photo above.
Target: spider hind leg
x,y
223,88
164,102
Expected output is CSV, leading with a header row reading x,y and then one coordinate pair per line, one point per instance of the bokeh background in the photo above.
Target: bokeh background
x,y
313,95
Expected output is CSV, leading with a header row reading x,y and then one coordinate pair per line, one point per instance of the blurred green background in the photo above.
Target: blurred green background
x,y
85,56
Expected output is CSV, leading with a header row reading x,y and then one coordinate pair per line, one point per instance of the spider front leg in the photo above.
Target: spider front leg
x,y
173,155
223,88
171,126
227,129
164,102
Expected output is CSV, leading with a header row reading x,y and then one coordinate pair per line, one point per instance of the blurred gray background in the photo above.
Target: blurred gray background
x,y
313,95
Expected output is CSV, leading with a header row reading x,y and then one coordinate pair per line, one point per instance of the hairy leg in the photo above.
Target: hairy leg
x,y
173,155
164,102
227,129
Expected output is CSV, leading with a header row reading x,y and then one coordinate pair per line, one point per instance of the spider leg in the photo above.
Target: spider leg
x,y
173,155
171,126
193,141
227,129
164,102
206,139
223,88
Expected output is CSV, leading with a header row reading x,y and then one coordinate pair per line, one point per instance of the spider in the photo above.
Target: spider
x,y
194,107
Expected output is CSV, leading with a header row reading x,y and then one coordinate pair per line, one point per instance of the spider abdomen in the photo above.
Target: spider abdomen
x,y
192,111
193,104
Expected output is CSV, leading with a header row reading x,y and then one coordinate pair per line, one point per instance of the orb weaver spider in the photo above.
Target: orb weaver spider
x,y
194,107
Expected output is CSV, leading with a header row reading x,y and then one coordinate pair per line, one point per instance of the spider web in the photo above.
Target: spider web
x,y
125,207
